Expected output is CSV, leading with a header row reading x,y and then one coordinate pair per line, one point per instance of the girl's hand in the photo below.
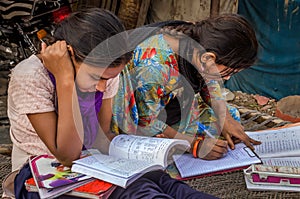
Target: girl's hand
x,y
212,149
57,60
233,130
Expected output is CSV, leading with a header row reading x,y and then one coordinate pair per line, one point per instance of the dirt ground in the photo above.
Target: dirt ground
x,y
249,101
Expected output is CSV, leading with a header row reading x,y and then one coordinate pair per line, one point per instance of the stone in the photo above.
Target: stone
x,y
288,108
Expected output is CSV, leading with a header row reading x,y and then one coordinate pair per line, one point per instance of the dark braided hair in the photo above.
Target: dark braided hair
x,y
230,37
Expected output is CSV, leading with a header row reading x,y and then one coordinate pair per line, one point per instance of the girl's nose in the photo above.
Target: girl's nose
x,y
101,85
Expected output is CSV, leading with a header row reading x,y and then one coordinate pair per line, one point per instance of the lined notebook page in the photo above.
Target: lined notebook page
x,y
189,166
277,143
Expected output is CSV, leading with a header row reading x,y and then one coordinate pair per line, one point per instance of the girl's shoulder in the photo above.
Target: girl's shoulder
x,y
29,66
154,45
155,41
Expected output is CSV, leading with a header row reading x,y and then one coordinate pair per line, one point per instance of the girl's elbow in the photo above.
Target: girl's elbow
x,y
67,158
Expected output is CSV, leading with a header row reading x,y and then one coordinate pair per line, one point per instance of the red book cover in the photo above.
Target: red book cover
x,y
95,189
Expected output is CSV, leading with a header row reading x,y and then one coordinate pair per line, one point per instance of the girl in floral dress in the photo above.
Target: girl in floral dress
x,y
171,87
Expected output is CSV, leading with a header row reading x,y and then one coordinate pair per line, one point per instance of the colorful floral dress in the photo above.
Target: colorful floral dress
x,y
147,84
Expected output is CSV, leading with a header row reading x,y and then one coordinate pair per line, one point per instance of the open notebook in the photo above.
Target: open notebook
x,y
240,157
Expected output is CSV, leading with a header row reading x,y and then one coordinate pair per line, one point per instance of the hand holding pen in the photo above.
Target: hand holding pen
x,y
210,148
204,129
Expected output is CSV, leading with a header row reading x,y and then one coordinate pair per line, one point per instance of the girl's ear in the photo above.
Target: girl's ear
x,y
70,50
208,56
72,57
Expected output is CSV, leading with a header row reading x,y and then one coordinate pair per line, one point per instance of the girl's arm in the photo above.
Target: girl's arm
x,y
149,103
229,127
62,133
209,148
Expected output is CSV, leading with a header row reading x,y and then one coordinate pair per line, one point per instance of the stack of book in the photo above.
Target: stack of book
x,y
51,179
129,158
280,155
274,165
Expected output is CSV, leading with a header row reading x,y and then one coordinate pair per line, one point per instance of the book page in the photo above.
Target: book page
x,y
149,149
277,143
189,166
114,165
118,171
286,161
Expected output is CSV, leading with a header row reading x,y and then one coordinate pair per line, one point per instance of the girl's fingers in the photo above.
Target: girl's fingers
x,y
213,155
229,140
222,143
43,47
255,142
220,150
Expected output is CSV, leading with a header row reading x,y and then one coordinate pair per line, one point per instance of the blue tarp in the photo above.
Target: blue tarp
x,y
277,71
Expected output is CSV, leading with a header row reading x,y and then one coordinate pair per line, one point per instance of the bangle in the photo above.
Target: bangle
x,y
196,145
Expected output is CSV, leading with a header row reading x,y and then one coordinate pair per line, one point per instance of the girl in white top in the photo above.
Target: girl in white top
x,y
43,102
59,102
31,92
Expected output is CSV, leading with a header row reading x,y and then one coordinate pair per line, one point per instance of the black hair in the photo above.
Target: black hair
x,y
229,36
88,32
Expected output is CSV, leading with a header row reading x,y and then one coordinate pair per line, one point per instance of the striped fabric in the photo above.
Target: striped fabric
x,y
10,9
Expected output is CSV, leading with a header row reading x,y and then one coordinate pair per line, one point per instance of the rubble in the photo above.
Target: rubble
x,y
263,105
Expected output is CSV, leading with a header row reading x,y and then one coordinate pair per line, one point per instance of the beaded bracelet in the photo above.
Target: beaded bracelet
x,y
196,145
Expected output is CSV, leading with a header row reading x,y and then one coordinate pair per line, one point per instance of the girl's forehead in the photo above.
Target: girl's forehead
x,y
105,72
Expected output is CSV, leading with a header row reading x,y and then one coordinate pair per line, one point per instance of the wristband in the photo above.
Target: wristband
x,y
196,146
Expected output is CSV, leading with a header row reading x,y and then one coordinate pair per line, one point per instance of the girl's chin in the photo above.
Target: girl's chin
x,y
86,90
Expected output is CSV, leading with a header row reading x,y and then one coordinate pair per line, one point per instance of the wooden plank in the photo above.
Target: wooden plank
x,y
108,5
143,13
214,8
114,6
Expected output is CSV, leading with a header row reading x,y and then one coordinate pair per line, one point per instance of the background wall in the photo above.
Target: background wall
x,y
277,71
189,10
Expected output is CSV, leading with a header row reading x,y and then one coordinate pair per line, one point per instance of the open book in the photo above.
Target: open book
x,y
281,142
129,158
190,167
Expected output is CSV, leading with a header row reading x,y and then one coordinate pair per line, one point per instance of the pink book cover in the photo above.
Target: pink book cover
x,y
272,175
49,173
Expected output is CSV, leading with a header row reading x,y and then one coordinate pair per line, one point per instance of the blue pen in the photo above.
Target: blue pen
x,y
203,128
